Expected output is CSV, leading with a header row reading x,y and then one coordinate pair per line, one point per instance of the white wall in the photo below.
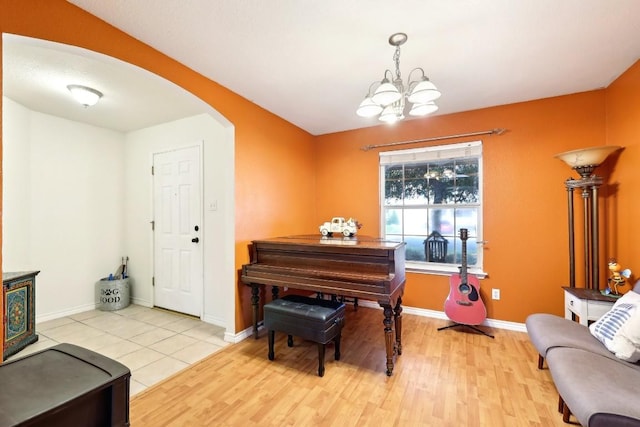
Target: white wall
x,y
218,226
63,206
16,180
77,198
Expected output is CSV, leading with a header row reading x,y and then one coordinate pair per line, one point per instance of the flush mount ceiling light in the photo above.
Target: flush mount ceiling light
x,y
387,97
85,95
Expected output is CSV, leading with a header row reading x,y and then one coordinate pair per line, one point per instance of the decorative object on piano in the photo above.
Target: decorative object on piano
x,y
464,305
338,224
585,161
388,99
617,283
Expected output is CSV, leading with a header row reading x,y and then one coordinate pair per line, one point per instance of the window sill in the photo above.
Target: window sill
x,y
442,270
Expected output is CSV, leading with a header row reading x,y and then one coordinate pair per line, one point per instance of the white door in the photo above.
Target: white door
x,y
178,270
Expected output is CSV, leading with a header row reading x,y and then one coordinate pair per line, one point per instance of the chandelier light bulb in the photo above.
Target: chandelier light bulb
x,y
390,115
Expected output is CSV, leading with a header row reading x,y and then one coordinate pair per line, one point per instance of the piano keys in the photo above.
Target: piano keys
x,y
357,267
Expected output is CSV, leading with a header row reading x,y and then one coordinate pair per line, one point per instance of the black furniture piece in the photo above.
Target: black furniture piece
x,y
64,385
312,319
355,267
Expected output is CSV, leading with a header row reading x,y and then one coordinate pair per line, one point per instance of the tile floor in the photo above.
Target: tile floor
x,y
153,343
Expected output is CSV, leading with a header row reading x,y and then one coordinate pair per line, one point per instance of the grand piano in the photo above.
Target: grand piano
x,y
356,267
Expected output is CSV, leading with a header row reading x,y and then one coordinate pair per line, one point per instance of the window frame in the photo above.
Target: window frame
x,y
456,151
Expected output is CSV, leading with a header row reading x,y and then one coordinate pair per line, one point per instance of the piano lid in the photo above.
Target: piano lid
x,y
362,266
314,240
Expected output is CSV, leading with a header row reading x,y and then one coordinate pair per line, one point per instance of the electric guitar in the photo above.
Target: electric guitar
x,y
464,305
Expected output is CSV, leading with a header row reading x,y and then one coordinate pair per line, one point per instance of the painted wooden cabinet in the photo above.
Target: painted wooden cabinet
x,y
19,311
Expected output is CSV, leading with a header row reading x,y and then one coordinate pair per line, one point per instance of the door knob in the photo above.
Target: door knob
x,y
195,240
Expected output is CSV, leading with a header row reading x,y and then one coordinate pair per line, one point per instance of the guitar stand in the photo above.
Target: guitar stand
x,y
454,325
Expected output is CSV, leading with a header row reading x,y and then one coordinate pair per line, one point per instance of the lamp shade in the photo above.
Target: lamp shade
x,y
423,109
424,92
592,156
390,115
368,108
386,94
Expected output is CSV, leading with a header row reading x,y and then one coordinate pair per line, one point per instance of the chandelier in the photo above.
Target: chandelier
x,y
387,97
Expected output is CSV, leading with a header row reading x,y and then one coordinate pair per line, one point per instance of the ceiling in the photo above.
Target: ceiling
x,y
36,74
311,62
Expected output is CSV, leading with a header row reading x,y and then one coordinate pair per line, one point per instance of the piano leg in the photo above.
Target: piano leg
x,y
398,318
388,336
255,299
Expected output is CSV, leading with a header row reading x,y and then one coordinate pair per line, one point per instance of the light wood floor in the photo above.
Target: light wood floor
x,y
448,378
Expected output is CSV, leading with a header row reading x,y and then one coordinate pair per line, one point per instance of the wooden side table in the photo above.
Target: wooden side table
x,y
587,304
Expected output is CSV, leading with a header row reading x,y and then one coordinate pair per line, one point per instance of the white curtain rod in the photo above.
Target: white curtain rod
x,y
497,131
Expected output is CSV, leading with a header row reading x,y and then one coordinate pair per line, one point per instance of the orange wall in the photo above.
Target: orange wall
x,y
274,159
525,210
287,181
623,128
1,187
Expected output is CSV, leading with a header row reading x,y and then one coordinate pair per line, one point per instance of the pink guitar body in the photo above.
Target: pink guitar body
x,y
464,304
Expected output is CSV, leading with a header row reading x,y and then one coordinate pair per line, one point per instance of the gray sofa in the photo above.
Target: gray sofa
x,y
595,386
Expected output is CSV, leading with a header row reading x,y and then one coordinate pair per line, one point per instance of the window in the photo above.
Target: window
x,y
428,195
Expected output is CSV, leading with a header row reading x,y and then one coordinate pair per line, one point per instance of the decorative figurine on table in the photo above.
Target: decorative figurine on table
x,y
617,282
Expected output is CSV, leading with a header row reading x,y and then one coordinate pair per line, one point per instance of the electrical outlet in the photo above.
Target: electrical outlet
x,y
495,294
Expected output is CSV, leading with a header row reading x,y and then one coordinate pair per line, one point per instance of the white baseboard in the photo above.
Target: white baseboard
x,y
492,323
68,312
142,302
248,332
499,324
217,321
81,309
236,338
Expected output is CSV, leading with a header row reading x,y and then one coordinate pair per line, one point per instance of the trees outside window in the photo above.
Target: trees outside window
x,y
431,193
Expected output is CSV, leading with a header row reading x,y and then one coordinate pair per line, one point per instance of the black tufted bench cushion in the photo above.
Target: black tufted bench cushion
x,y
309,318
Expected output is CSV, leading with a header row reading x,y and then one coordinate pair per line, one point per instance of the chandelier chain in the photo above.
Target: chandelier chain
x,y
396,59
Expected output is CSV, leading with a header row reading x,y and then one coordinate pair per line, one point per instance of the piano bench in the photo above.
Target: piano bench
x,y
311,319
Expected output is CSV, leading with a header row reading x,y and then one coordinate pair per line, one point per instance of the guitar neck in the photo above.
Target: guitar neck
x,y
463,267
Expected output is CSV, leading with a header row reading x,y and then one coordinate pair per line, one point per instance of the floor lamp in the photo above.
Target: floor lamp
x,y
584,161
